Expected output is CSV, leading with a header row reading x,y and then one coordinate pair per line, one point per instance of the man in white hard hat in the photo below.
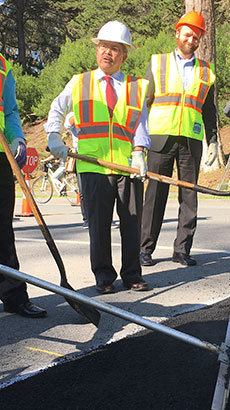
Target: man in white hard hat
x,y
110,116
13,292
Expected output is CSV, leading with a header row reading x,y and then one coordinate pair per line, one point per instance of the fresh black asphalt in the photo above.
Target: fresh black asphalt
x,y
148,371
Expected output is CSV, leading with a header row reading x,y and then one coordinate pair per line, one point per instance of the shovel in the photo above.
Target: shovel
x,y
151,175
88,312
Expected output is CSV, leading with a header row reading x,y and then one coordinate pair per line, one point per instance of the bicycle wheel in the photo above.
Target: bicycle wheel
x,y
71,188
42,190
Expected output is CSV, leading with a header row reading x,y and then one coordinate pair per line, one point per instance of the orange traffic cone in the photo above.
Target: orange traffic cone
x,y
26,210
78,198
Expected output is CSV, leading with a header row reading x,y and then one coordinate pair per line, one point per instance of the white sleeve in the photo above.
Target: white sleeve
x,y
141,136
60,106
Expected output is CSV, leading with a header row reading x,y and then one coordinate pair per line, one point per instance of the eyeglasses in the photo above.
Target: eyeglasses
x,y
104,47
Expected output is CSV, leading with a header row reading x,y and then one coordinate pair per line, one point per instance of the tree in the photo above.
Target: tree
x,y
145,18
207,47
35,94
222,8
41,29
42,26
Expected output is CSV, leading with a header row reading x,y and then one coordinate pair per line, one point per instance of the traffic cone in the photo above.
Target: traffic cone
x,y
26,210
78,198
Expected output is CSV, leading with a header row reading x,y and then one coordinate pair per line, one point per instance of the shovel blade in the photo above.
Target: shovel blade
x,y
88,312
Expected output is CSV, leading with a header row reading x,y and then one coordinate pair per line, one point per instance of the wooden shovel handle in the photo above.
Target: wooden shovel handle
x,y
33,206
150,175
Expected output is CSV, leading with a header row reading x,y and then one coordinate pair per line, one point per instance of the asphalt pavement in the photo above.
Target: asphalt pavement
x,y
146,371
29,345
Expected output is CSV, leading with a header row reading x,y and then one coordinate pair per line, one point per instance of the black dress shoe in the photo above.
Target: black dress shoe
x,y
183,259
146,260
104,288
138,285
26,309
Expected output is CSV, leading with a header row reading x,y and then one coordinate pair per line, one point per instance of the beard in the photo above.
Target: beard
x,y
187,49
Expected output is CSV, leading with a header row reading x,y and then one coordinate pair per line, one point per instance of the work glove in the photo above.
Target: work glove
x,y
211,153
138,161
18,149
57,146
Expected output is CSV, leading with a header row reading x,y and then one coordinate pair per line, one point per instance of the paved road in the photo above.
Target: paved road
x,y
28,345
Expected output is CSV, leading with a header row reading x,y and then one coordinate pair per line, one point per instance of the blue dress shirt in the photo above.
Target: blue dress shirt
x,y
186,69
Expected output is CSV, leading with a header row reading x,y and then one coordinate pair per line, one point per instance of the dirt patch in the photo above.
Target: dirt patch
x,y
36,137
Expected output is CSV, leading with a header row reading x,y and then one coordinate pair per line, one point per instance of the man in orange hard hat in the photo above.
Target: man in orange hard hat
x,y
194,20
181,96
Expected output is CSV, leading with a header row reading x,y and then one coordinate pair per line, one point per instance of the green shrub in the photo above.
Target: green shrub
x,y
75,57
138,60
27,91
35,94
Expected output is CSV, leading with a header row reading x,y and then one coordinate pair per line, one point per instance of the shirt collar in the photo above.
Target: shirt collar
x,y
118,76
191,60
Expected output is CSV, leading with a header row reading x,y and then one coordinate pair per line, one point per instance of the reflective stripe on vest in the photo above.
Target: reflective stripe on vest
x,y
176,111
98,134
5,66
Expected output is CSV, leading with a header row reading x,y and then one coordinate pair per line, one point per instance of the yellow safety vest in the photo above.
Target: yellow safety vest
x,y
5,66
176,111
100,136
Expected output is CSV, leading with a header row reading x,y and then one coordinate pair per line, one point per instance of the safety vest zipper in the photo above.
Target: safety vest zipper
x,y
111,140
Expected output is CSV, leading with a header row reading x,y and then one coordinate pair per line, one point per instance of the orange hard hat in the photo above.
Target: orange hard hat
x,y
192,18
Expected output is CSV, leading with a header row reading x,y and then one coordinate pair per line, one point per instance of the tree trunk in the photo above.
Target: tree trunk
x,y
207,47
20,34
207,51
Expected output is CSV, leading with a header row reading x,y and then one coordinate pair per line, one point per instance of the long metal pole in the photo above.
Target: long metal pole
x,y
131,317
221,394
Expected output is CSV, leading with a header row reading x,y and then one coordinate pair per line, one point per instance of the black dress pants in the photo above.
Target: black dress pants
x,y
175,149
11,290
100,193
84,217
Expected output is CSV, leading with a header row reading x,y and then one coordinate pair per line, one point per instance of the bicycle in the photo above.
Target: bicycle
x,y
43,187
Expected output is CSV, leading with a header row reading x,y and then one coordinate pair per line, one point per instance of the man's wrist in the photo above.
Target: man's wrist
x,y
139,148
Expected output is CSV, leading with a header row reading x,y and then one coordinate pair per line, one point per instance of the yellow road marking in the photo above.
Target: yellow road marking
x,y
43,351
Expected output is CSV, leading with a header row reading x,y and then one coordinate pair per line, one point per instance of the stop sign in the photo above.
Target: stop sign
x,y
32,160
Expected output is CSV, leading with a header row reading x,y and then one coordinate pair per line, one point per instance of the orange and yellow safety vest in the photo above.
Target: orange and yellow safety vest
x,y
100,136
178,111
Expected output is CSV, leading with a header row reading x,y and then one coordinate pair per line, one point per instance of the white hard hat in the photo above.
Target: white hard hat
x,y
114,31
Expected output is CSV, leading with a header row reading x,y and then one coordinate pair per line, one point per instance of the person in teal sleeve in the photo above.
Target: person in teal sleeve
x,y
13,292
